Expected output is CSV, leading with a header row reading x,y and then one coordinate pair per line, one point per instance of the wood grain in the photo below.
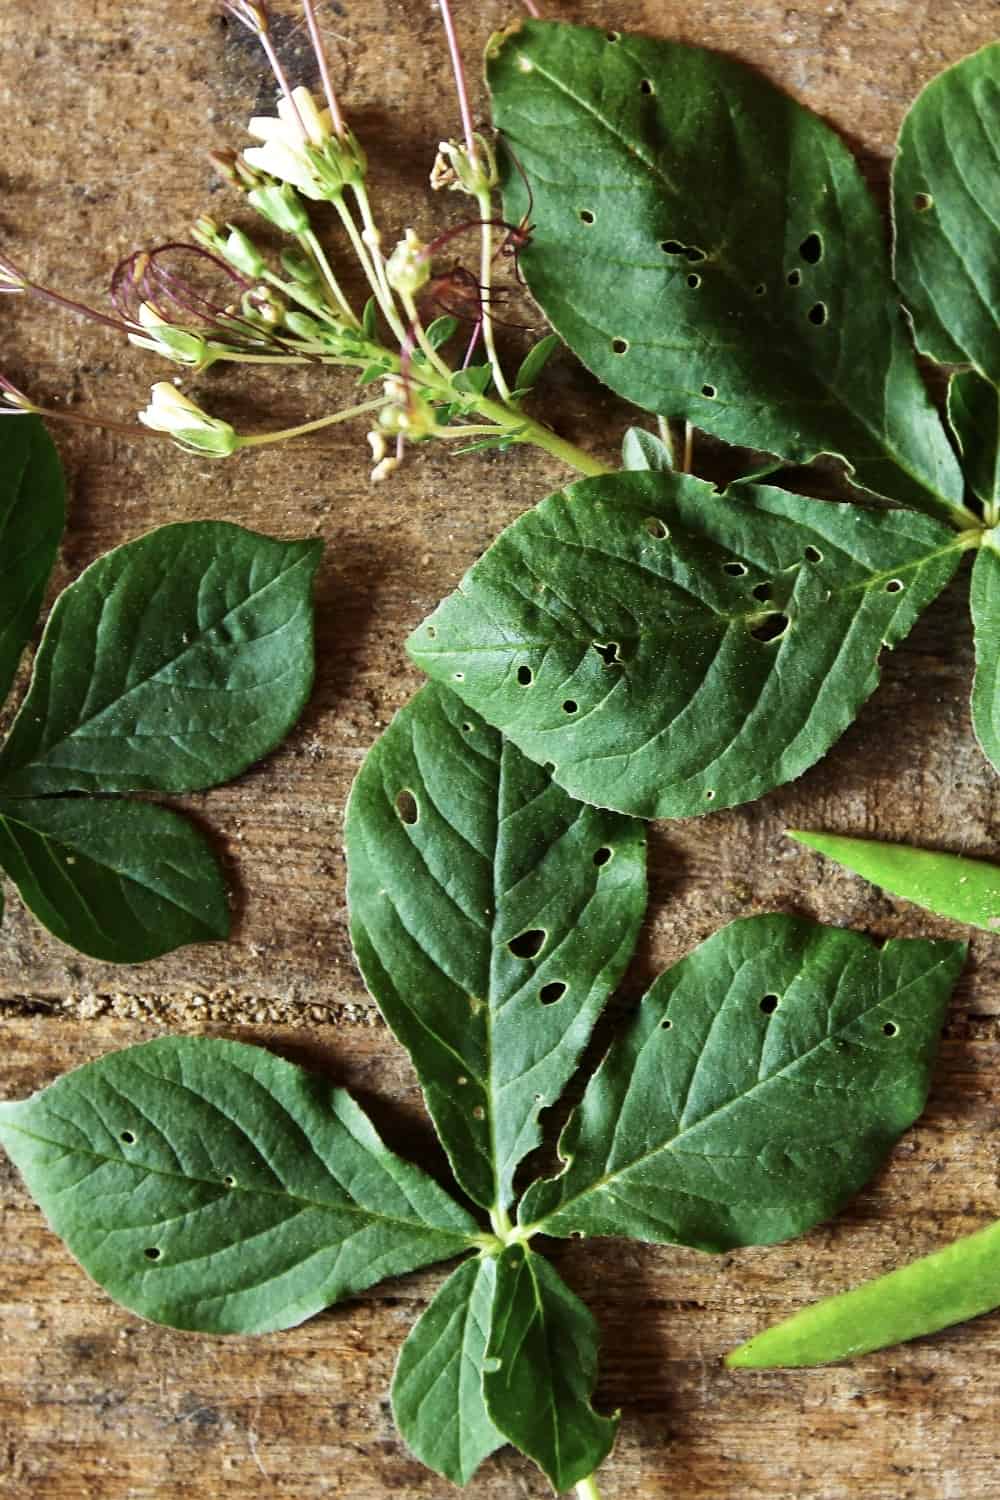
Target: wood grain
x,y
109,109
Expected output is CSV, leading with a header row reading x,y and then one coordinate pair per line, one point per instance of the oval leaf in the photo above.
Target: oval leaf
x,y
32,513
210,1185
672,650
491,916
122,881
437,1390
540,1369
760,309
967,890
172,664
946,206
762,1083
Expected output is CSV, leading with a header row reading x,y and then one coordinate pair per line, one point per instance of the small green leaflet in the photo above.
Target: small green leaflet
x,y
32,512
491,915
534,362
668,650
967,890
670,252
946,206
212,1186
540,1368
437,1390
960,1282
172,664
643,450
784,1059
122,881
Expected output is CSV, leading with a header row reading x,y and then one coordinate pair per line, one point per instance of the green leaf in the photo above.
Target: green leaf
x,y
534,362
946,206
122,881
540,1368
643,450
441,330
710,250
369,320
210,1185
32,513
437,1391
962,1281
967,890
669,649
172,663
984,600
762,1083
491,916
974,415
475,381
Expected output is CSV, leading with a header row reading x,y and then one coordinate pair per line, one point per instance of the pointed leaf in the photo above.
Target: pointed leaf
x,y
540,1369
959,1282
967,890
760,309
974,415
762,1083
441,330
491,916
946,206
437,1391
32,512
535,360
984,600
122,881
643,450
210,1185
172,664
670,649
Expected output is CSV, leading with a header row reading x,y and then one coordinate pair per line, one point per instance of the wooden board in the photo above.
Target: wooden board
x,y
109,109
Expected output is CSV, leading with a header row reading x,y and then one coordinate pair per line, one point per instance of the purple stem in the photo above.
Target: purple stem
x,y
324,71
460,85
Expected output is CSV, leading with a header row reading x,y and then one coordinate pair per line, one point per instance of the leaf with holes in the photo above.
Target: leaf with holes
x,y
172,664
121,881
491,915
210,1185
667,649
32,512
966,890
762,1083
540,1369
946,205
761,310
437,1390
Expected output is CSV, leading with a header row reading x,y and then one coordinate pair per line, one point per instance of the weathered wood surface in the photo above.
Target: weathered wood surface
x,y
107,111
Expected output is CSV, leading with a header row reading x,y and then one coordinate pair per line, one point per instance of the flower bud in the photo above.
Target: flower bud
x,y
191,428
281,206
241,252
408,268
177,344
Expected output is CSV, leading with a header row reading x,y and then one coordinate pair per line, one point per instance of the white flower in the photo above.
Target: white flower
x,y
176,414
285,154
178,344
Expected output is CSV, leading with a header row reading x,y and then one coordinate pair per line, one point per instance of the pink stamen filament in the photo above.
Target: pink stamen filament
x,y
460,84
324,71
254,18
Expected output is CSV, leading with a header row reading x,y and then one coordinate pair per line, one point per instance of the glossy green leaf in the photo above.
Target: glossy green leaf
x,y
172,664
32,512
540,1369
946,206
710,250
974,415
122,881
967,890
643,450
535,360
210,1185
960,1282
668,649
491,915
441,330
762,1083
984,600
437,1391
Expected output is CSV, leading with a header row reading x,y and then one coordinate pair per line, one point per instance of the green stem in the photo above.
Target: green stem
x,y
530,431
485,283
257,440
587,1489
389,311
419,333
313,247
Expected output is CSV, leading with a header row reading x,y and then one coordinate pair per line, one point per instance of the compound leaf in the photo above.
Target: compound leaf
x,y
540,1368
762,1083
946,206
759,307
667,649
32,513
491,915
210,1185
171,664
121,881
437,1390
